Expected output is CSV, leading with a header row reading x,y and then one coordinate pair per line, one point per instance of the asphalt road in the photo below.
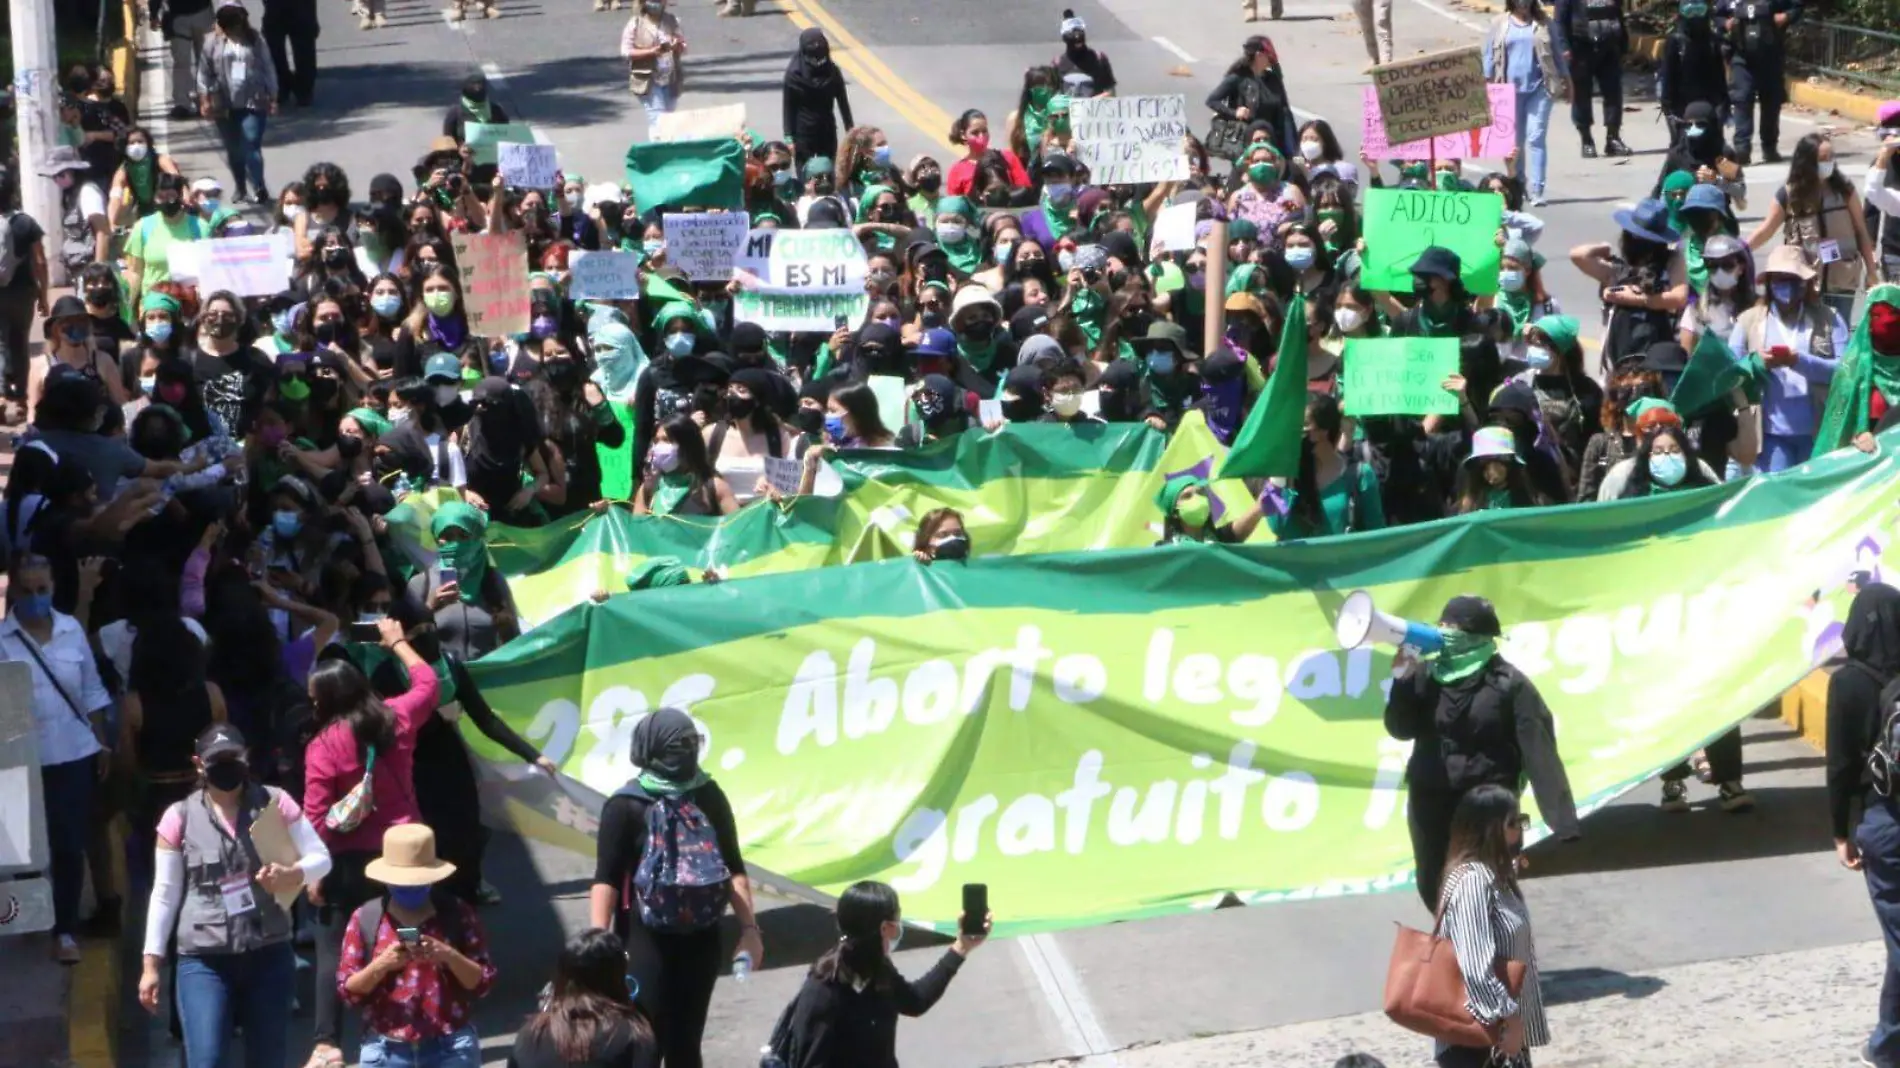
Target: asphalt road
x,y
1642,894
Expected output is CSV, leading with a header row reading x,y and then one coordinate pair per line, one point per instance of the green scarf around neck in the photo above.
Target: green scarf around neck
x,y
1087,308
658,787
670,491
1692,257
1060,222
966,255
469,556
479,111
1463,656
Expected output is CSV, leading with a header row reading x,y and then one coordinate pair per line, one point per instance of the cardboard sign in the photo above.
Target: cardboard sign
x,y
528,166
1401,224
1399,376
1131,140
1491,142
811,279
705,246
484,138
784,474
727,120
255,266
1441,93
603,275
494,271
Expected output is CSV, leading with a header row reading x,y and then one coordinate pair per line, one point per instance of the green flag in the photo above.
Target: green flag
x,y
1269,443
1711,373
687,174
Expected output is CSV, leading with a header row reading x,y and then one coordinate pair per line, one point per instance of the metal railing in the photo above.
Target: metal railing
x,y
1850,53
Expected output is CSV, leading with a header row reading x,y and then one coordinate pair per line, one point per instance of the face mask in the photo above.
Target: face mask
x,y
953,547
1667,468
398,416
1311,150
651,248
295,390
1696,131
387,305
447,395
1161,364
1448,181
34,606
1194,512
209,206
740,407
286,524
881,155
834,428
283,323
326,333
1825,168
335,256
930,183
1537,356
1511,281
1299,257
171,207
172,393
293,211
74,335
951,233
1061,193
1065,404
160,331
147,384
137,151
663,457
680,344
439,303
1260,172
978,143
1065,260
1785,291
409,897
1348,319
102,297
225,775
1726,278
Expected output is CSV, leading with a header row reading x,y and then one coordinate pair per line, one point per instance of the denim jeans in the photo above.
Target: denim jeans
x,y
243,132
251,990
1878,839
68,790
1533,132
460,1049
1782,451
660,100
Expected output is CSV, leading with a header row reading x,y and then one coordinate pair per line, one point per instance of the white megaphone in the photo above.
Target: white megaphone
x,y
1360,622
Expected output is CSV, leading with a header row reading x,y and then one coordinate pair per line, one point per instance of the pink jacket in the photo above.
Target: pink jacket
x,y
333,767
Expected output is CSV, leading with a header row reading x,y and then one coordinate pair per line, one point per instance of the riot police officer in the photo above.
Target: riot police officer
x,y
1593,38
1691,68
1755,36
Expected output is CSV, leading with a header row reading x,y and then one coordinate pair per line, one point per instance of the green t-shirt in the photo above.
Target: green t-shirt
x,y
151,245
1335,498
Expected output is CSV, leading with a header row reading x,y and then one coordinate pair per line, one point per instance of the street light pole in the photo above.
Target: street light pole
x,y
36,111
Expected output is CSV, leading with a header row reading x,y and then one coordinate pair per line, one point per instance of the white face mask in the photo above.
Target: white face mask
x,y
398,416
291,211
1065,404
1826,168
1725,278
573,200
137,151
446,395
1348,319
1310,150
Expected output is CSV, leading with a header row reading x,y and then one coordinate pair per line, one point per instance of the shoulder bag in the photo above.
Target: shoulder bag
x,y
1425,989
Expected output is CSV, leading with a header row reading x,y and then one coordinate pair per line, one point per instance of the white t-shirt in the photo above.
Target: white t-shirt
x,y
92,200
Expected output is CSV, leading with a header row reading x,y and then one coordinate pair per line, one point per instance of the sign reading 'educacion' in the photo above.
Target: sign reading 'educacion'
x,y
1442,93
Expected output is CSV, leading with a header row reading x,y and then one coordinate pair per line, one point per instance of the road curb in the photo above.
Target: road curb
x,y
1804,707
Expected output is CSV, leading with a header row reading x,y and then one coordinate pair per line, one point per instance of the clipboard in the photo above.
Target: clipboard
x,y
270,837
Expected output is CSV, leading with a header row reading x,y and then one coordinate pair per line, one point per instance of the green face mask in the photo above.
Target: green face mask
x,y
1039,96
439,303
1694,11
1194,511
295,390
1413,172
1260,172
1464,655
1448,182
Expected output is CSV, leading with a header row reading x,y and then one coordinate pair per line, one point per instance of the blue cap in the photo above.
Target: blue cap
x,y
936,342
443,365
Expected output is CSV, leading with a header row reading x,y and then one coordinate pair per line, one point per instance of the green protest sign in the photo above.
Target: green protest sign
x,y
1399,376
1103,736
1401,223
815,312
485,138
687,174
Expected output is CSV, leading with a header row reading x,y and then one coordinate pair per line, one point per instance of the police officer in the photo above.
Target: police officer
x,y
1755,34
1692,67
1593,38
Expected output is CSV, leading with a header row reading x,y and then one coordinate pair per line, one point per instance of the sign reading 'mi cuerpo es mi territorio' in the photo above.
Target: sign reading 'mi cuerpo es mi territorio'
x,y
1442,93
811,279
1131,140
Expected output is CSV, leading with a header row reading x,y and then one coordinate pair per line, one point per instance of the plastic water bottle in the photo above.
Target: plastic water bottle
x,y
741,967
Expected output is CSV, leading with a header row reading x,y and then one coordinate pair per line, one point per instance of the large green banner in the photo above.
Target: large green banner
x,y
1115,734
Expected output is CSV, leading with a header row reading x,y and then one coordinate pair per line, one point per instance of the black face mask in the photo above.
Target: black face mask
x,y
226,775
171,207
954,547
562,373
102,296
811,420
930,183
740,407
349,446
1022,409
327,333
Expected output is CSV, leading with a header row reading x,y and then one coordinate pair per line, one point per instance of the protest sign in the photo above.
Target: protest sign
x,y
812,278
1399,376
813,312
484,139
254,266
1494,141
1130,140
893,400
699,124
1436,94
752,264
1174,227
784,473
528,166
705,245
1400,224
494,270
687,174
603,275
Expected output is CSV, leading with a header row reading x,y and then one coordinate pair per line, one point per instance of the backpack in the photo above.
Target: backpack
x,y
9,256
682,882
369,919
1883,757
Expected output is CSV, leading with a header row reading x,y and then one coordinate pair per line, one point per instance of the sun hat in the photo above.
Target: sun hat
x,y
1789,259
409,858
1493,443
1649,220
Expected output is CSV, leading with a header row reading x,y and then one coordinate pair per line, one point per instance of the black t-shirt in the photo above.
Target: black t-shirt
x,y
103,156
620,1046
623,839
22,234
396,355
110,334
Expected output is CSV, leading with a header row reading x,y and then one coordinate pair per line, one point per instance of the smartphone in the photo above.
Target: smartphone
x,y
976,908
365,633
842,322
444,575
409,936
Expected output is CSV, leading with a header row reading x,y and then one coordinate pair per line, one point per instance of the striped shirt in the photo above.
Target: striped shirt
x,y
1488,923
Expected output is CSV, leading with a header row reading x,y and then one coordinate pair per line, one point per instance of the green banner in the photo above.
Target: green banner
x,y
1109,735
1401,223
687,174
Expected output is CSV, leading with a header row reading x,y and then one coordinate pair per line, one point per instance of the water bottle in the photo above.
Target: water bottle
x,y
741,966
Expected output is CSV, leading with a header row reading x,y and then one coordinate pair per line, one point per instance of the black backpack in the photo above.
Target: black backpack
x,y
1883,758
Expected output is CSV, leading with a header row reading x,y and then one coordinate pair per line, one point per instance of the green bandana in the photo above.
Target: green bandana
x,y
1087,307
142,175
658,787
1059,220
1518,304
669,492
479,111
1692,256
1497,499
370,420
979,355
1856,376
469,557
1463,656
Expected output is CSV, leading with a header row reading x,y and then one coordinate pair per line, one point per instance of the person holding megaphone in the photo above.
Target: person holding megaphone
x,y
1473,719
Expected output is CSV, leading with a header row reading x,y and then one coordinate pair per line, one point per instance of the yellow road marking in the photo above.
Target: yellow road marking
x,y
870,72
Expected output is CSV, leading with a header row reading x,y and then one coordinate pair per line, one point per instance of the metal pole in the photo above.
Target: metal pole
x,y
36,109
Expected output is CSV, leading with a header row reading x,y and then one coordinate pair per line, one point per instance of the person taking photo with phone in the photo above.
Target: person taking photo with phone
x,y
415,960
845,1016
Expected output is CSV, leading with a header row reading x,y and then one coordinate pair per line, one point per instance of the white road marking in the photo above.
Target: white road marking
x,y
1062,989
1449,14
452,24
1176,49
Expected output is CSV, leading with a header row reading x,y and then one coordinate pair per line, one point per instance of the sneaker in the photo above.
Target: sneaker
x,y
1615,147
1589,150
1771,155
1675,796
366,23
1736,798
1538,200
66,950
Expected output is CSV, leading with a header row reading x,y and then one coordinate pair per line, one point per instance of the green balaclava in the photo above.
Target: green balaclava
x,y
468,556
1674,188
1464,654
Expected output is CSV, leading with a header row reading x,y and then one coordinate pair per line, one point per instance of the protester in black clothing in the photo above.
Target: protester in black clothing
x,y
1444,310
1757,36
1593,38
1641,298
1692,67
1078,58
1474,720
576,417
502,440
1515,407
588,1019
290,32
684,963
473,107
1699,147
1254,91
813,86
845,1016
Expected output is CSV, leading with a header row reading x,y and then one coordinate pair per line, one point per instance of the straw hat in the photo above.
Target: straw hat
x,y
1789,259
408,858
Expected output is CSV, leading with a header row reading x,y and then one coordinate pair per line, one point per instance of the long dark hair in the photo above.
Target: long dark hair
x,y
339,691
859,956
691,442
1639,484
1478,827
861,404
1323,410
1806,188
590,998
1472,487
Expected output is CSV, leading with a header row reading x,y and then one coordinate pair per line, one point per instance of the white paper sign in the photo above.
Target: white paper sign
x,y
705,246
527,166
604,275
183,260
784,474
255,266
1174,228
989,411
753,263
692,124
16,818
811,280
1130,140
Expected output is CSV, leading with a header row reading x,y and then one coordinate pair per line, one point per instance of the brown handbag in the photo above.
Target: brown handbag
x,y
1425,990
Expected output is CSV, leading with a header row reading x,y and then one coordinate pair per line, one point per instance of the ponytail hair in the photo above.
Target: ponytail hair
x,y
863,910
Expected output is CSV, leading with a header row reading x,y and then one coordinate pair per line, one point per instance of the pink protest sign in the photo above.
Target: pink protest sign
x,y
1492,142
